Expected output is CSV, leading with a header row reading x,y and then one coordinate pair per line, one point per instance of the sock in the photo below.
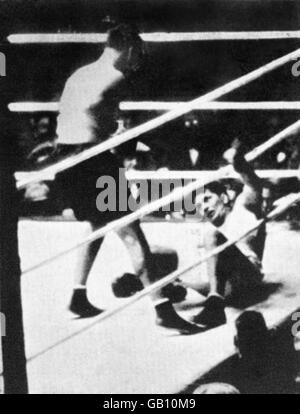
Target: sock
x,y
79,287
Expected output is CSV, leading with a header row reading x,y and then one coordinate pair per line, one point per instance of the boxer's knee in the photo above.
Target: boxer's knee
x,y
127,235
135,248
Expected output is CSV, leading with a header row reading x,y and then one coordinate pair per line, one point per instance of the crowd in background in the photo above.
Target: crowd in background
x,y
37,150
38,134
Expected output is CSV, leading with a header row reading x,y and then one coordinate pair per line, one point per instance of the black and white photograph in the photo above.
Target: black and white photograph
x,y
150,199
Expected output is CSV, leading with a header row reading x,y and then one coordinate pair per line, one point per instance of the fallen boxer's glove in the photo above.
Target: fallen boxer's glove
x,y
175,292
127,285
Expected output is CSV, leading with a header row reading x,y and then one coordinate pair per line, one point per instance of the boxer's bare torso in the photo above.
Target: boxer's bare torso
x,y
86,94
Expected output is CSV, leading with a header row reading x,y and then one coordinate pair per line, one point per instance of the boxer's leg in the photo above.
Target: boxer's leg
x,y
213,313
135,241
78,187
144,266
230,270
80,304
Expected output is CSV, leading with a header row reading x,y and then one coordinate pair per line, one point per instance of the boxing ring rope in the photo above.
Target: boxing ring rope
x,y
160,120
31,107
212,106
160,37
173,197
162,174
134,175
283,205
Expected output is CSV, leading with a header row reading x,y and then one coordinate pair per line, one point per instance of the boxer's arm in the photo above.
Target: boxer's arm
x,y
251,196
247,173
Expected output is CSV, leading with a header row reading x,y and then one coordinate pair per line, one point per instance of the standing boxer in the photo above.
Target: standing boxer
x,y
88,104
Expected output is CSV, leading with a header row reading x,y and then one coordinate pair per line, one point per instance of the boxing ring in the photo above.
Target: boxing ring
x,y
172,111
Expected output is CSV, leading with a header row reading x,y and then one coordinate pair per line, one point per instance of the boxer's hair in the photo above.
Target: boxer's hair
x,y
123,36
216,187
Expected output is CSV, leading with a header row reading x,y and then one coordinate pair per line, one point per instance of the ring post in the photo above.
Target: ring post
x,y
12,335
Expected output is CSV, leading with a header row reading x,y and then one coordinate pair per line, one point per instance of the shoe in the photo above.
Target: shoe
x,y
171,322
81,306
213,314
